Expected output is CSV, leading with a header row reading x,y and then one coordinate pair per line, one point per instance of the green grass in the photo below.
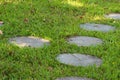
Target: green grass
x,y
56,20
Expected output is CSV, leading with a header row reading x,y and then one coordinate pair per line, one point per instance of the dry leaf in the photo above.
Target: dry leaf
x,y
26,20
50,68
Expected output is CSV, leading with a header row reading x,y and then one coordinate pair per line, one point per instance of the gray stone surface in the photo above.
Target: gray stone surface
x,y
84,41
97,27
29,41
113,16
78,59
73,78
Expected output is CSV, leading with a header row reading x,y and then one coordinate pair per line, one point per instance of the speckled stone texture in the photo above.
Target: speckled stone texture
x,y
78,59
29,41
97,27
84,41
113,16
73,78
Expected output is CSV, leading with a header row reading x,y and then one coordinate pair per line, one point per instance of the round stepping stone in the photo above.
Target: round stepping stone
x,y
84,41
113,16
97,27
29,41
79,59
73,78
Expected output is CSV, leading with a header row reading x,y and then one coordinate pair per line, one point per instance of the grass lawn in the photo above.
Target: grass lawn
x,y
56,20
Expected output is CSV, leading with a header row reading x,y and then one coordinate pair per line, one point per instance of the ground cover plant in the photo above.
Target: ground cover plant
x,y
57,20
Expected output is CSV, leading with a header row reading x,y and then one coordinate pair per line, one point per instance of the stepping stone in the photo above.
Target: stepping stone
x,y
84,41
1,23
73,78
113,16
77,59
29,41
97,27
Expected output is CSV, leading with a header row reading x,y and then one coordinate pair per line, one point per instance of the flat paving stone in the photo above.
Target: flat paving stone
x,y
79,59
74,78
29,41
97,27
84,41
113,16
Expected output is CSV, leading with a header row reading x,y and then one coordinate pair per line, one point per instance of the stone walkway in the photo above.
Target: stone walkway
x,y
74,59
77,59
